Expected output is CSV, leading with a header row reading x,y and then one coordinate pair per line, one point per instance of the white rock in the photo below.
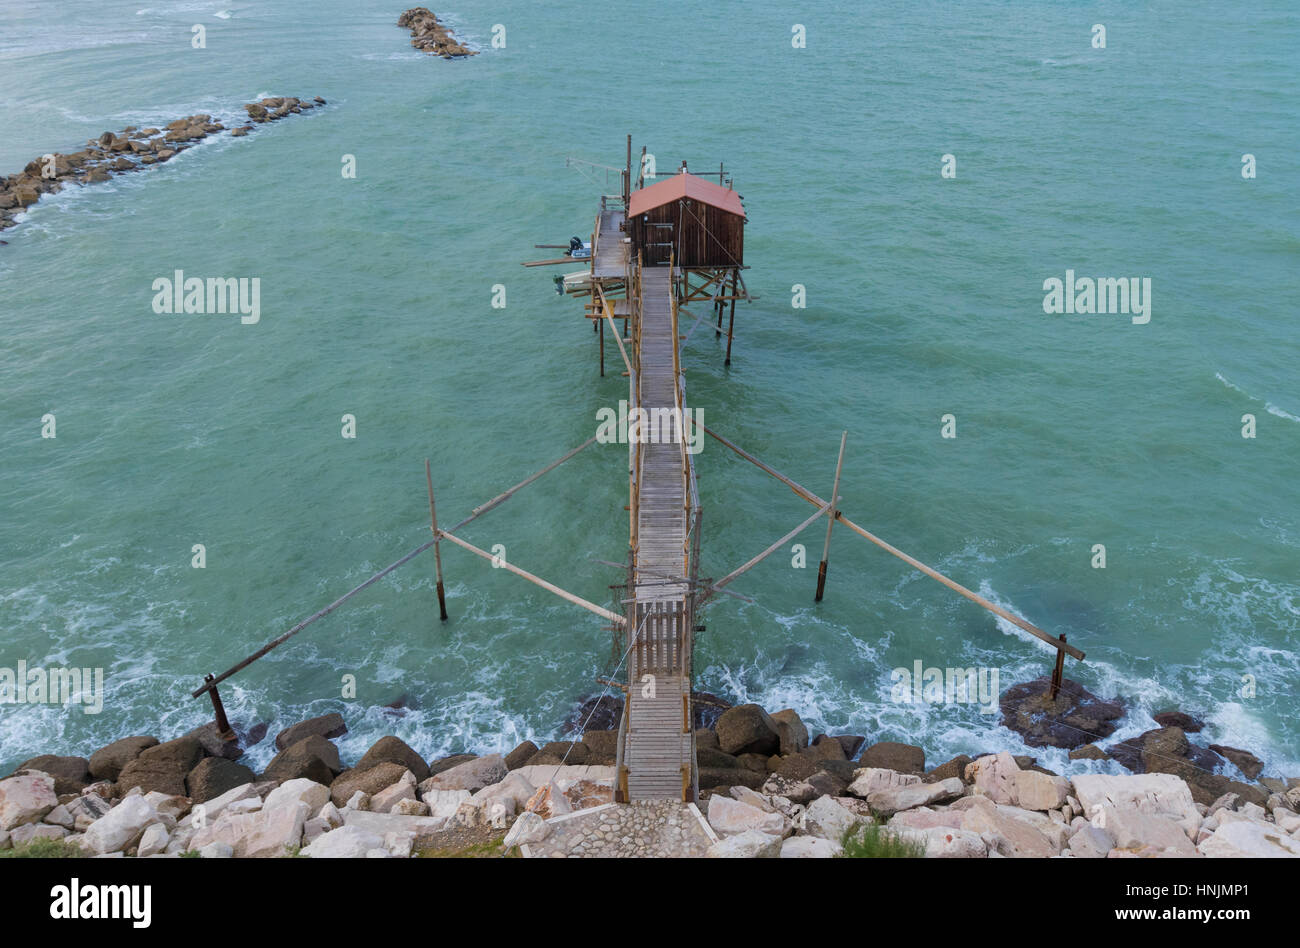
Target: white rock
x,y
471,775
1004,833
310,792
26,799
264,834
829,820
217,851
358,801
515,788
529,828
399,845
380,824
86,809
348,842
61,816
893,800
1287,821
314,828
1246,838
750,844
1036,791
403,789
753,798
1132,828
445,802
251,805
1157,794
868,780
730,817
1091,842
202,814
378,853
331,815
945,842
154,840
994,777
121,827
170,808
22,835
411,807
809,847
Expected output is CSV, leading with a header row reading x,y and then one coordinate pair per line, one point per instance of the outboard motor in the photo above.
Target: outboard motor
x,y
575,243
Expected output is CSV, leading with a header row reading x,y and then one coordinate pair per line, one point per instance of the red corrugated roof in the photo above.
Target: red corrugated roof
x,y
687,185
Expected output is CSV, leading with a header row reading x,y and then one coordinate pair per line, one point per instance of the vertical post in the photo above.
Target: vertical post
x,y
602,346
627,175
1058,671
437,547
732,321
224,730
831,514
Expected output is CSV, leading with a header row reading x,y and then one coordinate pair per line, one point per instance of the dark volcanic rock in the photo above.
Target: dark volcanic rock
x,y
398,751
213,776
599,713
70,774
212,743
520,755
369,781
1189,724
326,725
1167,750
1249,764
747,729
163,767
107,762
891,755
1076,716
312,757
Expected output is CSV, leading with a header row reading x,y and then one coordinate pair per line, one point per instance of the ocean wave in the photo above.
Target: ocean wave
x,y
1271,408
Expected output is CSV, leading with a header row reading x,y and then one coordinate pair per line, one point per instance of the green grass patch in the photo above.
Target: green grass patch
x,y
877,842
45,849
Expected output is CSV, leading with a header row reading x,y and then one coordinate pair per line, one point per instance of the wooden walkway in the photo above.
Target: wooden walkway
x,y
609,251
658,748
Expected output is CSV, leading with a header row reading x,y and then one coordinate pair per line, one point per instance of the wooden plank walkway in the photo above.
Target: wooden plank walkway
x,y
658,743
608,251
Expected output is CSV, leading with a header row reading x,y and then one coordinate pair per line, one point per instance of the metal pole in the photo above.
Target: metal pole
x,y
835,496
224,730
437,552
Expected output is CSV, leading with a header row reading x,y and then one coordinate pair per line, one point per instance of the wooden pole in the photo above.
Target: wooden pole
x,y
979,600
830,521
437,552
602,347
537,580
1058,670
731,322
771,549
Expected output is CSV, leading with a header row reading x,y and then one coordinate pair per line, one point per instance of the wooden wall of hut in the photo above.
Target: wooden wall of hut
x,y
704,235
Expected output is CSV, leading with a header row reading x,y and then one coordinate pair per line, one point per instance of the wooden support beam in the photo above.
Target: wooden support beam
x,y
437,552
979,600
830,521
501,498
771,549
537,580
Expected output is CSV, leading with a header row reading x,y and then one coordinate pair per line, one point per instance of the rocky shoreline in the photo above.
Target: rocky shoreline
x,y
431,36
766,790
131,149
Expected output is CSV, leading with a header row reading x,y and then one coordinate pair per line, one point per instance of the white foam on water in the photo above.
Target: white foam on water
x,y
1271,408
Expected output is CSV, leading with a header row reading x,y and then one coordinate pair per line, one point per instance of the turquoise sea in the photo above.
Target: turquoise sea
x,y
924,298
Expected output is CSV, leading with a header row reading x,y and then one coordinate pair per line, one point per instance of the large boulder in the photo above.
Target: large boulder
x,y
346,842
746,729
209,738
1246,762
120,828
162,767
266,833
26,799
394,750
213,776
573,753
438,765
107,762
720,778
750,844
1247,838
602,747
472,775
1076,717
791,730
600,713
313,758
1179,719
1167,750
326,726
729,817
825,748
1005,831
891,755
829,820
313,794
518,757
71,774
369,781
1157,794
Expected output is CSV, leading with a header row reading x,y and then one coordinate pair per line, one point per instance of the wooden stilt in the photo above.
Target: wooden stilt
x,y
1058,671
835,511
602,347
731,323
437,553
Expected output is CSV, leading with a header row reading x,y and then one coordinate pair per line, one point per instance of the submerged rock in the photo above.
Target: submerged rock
x,y
431,36
1075,718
